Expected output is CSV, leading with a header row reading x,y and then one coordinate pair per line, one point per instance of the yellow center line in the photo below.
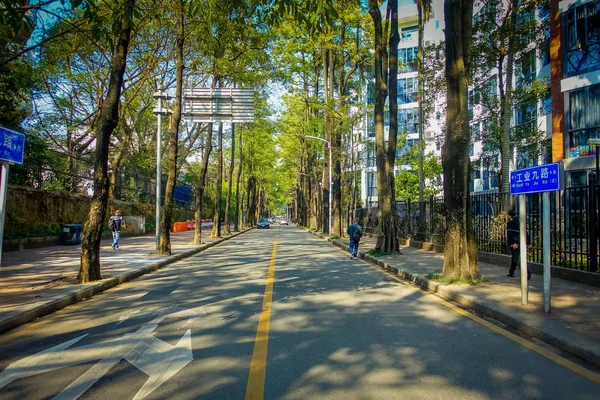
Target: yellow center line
x,y
258,366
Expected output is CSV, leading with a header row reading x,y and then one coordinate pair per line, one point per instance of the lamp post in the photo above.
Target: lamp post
x,y
330,176
159,111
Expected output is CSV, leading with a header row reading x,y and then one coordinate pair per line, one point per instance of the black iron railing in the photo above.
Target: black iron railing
x,y
574,224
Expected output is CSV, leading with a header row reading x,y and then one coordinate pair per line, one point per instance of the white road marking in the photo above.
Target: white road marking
x,y
158,359
124,318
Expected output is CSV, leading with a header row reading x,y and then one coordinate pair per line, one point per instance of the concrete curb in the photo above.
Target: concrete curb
x,y
78,294
473,303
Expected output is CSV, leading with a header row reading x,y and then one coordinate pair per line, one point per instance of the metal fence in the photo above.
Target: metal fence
x,y
574,224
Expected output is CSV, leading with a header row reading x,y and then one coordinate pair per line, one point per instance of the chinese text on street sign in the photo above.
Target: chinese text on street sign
x,y
543,178
12,146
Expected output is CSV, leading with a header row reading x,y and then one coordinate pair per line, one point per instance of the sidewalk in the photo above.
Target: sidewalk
x,y
572,326
36,282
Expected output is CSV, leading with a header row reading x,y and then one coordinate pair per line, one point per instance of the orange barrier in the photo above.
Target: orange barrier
x,y
183,226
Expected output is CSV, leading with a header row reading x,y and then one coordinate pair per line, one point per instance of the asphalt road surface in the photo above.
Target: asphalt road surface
x,y
273,314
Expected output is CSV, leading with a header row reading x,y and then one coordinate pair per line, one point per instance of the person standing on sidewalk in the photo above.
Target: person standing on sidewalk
x,y
513,236
354,232
114,224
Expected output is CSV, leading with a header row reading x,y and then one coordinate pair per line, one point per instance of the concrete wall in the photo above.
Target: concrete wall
x,y
32,210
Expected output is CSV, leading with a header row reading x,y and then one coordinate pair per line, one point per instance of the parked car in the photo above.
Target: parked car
x,y
263,223
283,222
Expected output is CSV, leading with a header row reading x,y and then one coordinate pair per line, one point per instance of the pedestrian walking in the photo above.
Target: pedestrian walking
x,y
513,234
354,232
114,224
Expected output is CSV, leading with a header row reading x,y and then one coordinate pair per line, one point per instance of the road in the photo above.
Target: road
x,y
274,314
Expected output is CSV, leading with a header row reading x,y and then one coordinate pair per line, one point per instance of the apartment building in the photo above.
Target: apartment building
x,y
565,119
575,60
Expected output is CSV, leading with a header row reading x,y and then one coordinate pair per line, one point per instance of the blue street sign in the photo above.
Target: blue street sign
x,y
12,146
543,178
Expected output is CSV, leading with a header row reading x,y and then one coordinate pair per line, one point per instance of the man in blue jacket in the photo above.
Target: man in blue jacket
x,y
354,232
513,240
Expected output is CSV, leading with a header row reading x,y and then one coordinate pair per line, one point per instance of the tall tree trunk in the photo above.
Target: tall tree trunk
x,y
164,244
216,230
387,240
460,255
238,188
327,87
117,162
202,185
506,112
230,187
107,121
389,221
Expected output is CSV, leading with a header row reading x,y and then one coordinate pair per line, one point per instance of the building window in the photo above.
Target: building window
x,y
583,121
437,24
583,38
476,131
408,120
406,148
544,10
370,154
526,118
471,150
545,48
409,33
371,184
408,59
408,90
526,70
547,103
371,127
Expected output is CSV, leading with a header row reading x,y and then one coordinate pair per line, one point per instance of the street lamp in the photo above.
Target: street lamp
x,y
330,176
159,111
596,142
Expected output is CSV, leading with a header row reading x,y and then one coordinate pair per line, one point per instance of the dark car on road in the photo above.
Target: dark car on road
x,y
263,223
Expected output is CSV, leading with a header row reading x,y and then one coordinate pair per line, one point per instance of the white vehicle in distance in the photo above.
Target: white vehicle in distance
x,y
283,222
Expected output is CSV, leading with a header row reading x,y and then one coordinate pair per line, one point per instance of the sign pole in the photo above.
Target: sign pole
x,y
3,196
546,248
523,249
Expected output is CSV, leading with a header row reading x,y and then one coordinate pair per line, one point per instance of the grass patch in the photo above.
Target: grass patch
x,y
377,253
439,278
334,237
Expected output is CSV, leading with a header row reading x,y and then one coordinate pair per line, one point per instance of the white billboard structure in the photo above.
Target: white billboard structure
x,y
218,105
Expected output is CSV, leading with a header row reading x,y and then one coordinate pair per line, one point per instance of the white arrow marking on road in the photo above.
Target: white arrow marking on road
x,y
124,318
158,359
39,363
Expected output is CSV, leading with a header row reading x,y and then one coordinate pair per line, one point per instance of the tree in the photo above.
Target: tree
x,y
201,184
408,181
216,230
424,11
164,244
460,253
105,125
230,186
387,239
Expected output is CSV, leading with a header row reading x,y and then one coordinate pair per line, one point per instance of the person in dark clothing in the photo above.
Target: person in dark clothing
x,y
114,224
513,239
354,232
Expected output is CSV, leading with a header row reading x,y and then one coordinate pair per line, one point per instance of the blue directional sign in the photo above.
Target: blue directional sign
x,y
12,146
543,178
